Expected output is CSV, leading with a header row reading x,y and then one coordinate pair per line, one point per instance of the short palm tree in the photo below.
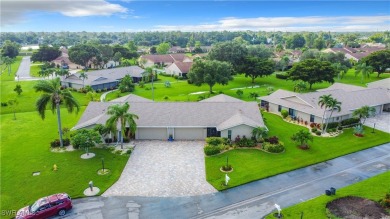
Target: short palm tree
x,y
363,113
340,69
333,104
364,70
300,86
53,97
119,114
259,132
83,76
323,102
302,137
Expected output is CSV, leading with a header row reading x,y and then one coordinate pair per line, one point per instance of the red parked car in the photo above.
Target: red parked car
x,y
56,204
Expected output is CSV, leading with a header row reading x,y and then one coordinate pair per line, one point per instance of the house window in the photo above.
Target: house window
x,y
337,118
279,108
230,134
311,118
291,112
212,132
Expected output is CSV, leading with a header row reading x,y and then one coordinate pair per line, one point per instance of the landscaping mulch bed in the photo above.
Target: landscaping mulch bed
x,y
352,207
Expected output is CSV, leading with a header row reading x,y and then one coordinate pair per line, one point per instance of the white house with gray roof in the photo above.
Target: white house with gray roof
x,y
223,117
305,106
103,79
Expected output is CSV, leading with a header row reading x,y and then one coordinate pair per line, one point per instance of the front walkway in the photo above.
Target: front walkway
x,y
164,169
382,122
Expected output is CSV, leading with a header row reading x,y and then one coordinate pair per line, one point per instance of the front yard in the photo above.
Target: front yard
x,y
252,164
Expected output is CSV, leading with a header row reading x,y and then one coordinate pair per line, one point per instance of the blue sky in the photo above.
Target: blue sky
x,y
128,15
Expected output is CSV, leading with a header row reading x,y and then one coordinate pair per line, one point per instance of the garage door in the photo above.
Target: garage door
x,y
152,133
189,134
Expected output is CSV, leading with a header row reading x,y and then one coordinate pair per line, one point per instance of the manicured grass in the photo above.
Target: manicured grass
x,y
373,188
180,90
14,68
35,69
251,164
25,149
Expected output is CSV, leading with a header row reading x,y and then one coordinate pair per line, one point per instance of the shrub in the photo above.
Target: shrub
x,y
4,104
350,121
312,125
227,167
314,130
98,91
306,123
210,150
66,141
129,151
339,128
189,81
273,148
55,143
318,132
180,78
273,140
284,113
245,142
215,141
141,84
385,202
281,76
332,125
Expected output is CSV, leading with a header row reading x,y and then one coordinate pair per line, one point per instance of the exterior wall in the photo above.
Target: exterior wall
x,y
240,130
103,86
189,134
173,70
151,134
386,107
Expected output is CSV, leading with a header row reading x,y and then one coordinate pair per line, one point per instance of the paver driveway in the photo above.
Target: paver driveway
x,y
163,169
382,122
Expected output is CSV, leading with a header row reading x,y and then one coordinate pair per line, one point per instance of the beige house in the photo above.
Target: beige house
x,y
162,60
305,106
179,68
218,116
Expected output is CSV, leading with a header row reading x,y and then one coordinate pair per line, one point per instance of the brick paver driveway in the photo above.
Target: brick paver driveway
x,y
382,122
162,169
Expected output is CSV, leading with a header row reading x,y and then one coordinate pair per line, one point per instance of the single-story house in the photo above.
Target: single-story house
x,y
384,83
63,60
219,116
305,106
179,68
103,79
162,60
176,49
355,53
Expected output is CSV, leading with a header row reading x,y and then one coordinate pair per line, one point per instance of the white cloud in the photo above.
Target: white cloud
x,y
13,11
310,23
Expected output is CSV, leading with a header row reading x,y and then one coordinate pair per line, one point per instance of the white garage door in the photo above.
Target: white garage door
x,y
152,133
189,134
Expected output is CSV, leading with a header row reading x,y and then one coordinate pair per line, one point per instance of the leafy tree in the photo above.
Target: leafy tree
x,y
10,49
341,69
310,54
163,48
83,76
253,95
260,51
132,47
310,38
18,89
13,103
296,41
379,60
300,86
312,71
117,57
302,137
333,104
279,48
126,84
119,114
8,63
259,133
364,70
92,96
106,53
283,63
153,50
82,54
239,93
363,113
319,44
231,52
210,72
85,139
257,67
53,97
125,52
46,53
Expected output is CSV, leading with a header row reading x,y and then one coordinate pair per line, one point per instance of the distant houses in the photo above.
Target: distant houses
x,y
162,60
356,53
103,79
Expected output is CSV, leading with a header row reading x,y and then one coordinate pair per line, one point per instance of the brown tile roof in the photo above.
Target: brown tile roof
x,y
165,58
183,66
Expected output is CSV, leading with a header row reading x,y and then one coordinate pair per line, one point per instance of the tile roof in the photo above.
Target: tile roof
x,y
165,58
341,86
222,98
179,114
384,83
130,98
183,66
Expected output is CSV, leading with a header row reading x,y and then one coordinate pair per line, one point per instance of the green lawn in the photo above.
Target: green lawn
x,y
251,164
25,149
35,69
180,89
373,188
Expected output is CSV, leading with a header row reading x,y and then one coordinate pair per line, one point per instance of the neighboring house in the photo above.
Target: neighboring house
x,y
305,106
176,49
103,79
64,62
355,53
179,68
219,116
162,60
384,83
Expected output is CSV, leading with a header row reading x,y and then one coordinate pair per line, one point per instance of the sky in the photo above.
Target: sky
x,y
201,15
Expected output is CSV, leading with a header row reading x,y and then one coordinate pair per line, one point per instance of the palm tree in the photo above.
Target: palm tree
x,y
8,62
119,113
364,69
259,132
83,76
302,137
300,86
340,69
150,73
363,113
332,105
54,96
324,102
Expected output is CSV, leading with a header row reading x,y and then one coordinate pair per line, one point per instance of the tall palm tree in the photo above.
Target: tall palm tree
x,y
119,114
324,102
54,96
332,105
8,62
365,71
363,113
83,76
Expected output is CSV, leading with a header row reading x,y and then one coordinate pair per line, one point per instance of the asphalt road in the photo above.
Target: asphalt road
x,y
252,200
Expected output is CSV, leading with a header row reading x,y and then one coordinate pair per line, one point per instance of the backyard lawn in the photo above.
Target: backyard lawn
x,y
252,164
373,188
25,149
